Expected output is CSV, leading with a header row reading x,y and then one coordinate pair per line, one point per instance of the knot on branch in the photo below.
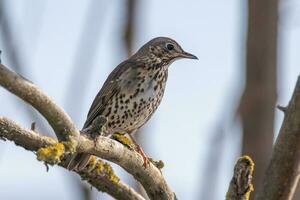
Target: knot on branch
x,y
241,182
282,108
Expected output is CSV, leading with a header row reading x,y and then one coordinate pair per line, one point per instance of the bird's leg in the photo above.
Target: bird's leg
x,y
131,144
96,129
139,149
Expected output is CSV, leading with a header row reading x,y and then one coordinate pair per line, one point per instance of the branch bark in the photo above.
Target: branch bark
x,y
151,177
32,141
26,90
241,183
282,175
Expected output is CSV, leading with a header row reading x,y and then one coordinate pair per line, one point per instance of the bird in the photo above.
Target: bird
x,y
133,91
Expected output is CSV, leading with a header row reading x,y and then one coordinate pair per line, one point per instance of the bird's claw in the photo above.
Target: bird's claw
x,y
144,156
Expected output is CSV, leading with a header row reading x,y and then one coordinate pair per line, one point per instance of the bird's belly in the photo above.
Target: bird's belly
x,y
147,104
137,111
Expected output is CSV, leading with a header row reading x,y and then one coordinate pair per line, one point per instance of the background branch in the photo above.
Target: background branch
x,y
257,105
282,175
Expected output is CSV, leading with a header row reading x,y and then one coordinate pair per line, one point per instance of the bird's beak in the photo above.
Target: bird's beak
x,y
188,55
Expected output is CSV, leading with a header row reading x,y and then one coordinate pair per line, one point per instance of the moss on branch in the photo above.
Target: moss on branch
x,y
241,185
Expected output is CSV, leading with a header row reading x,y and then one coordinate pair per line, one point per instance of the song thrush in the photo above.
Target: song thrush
x,y
133,90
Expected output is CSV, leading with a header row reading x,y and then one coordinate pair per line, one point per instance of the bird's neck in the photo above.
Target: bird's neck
x,y
150,59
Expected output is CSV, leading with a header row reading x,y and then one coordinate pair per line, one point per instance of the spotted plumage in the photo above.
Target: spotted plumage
x,y
134,89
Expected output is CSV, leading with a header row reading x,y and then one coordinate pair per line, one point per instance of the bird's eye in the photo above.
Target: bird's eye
x,y
169,46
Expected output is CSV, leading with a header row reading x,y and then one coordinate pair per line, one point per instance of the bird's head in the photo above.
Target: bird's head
x,y
163,50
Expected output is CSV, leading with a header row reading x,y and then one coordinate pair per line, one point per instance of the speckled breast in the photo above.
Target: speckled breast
x,y
137,101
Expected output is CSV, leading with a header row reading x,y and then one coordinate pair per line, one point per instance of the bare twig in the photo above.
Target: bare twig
x,y
282,175
241,183
282,108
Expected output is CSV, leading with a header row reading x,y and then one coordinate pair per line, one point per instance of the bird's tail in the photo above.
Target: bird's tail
x,y
79,161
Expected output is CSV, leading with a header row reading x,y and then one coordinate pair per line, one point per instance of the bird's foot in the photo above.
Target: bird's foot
x,y
130,143
98,127
146,160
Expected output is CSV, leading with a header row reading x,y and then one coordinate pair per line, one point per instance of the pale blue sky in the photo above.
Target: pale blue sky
x,y
197,94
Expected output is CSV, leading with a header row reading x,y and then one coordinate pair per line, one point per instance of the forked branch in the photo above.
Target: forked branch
x,y
151,177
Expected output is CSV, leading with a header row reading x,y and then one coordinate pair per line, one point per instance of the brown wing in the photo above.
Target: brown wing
x,y
110,87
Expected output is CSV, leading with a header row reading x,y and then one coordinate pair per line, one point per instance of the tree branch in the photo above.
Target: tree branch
x,y
282,175
241,183
26,90
32,141
151,178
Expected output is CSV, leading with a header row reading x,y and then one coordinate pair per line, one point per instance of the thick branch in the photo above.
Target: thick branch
x,y
241,183
56,117
150,177
260,94
32,141
282,174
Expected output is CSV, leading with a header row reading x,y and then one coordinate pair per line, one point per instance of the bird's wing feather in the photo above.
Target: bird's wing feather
x,y
110,87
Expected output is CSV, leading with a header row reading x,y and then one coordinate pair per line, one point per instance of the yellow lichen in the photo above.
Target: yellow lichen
x,y
110,173
250,189
124,140
70,145
51,154
250,162
242,180
92,163
99,167
251,170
